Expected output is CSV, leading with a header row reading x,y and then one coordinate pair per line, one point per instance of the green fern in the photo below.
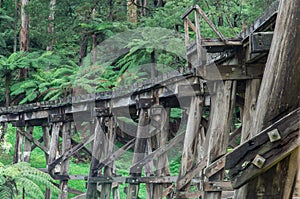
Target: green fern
x,y
20,178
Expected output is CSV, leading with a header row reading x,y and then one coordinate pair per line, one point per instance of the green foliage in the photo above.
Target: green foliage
x,y
20,178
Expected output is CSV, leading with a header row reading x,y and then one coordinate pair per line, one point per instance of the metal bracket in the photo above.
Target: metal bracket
x,y
274,135
102,112
144,103
53,118
259,161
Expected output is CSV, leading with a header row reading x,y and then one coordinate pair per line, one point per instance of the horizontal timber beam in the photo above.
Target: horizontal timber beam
x,y
264,150
231,72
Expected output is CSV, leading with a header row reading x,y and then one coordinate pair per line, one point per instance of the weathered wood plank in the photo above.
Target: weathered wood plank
x,y
158,152
215,167
111,136
162,166
231,72
197,194
18,145
66,145
182,181
27,144
222,106
71,151
29,137
188,153
46,138
98,145
139,151
34,145
261,41
210,23
54,144
218,186
285,125
251,94
239,161
115,155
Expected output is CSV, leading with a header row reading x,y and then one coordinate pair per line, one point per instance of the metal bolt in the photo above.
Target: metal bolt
x,y
274,135
259,161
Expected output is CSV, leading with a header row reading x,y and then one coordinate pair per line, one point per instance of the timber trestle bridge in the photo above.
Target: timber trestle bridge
x,y
223,75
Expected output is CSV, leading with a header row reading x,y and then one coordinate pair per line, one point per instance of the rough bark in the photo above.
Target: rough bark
x,y
132,11
83,48
24,31
98,147
51,24
222,106
280,89
279,93
7,89
24,34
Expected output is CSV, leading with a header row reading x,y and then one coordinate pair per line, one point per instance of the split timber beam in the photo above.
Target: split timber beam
x,y
264,150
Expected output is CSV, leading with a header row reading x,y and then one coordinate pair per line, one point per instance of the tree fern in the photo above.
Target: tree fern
x,y
20,178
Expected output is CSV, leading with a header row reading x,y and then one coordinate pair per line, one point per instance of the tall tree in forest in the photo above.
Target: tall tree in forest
x,y
24,34
132,11
51,24
278,95
24,31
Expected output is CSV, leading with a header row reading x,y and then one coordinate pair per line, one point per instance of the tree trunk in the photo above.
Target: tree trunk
x,y
279,94
7,90
94,51
51,24
111,12
83,48
132,11
24,34
153,65
15,26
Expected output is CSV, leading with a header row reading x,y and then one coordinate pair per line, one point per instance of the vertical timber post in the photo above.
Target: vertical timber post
x,y
111,135
18,145
192,129
92,191
162,167
139,152
251,95
222,107
46,139
27,145
53,148
66,145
